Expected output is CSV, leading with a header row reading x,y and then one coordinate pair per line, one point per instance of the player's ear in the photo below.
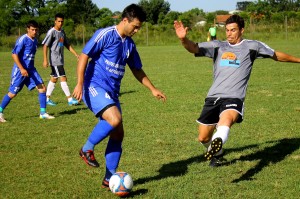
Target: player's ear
x,y
242,30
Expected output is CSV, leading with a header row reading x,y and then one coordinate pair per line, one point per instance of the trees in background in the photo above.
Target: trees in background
x,y
83,17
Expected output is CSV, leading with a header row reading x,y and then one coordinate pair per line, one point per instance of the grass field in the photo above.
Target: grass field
x,y
39,159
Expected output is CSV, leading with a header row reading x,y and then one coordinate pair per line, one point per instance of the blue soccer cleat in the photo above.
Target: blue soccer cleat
x,y
51,103
73,102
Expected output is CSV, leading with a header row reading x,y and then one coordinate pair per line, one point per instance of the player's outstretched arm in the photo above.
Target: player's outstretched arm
x,y
141,76
181,33
71,49
283,57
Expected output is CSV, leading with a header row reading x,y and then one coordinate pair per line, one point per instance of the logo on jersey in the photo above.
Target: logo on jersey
x,y
127,54
229,59
61,42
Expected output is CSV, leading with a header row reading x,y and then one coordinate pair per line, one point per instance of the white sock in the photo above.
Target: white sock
x,y
50,89
65,88
222,132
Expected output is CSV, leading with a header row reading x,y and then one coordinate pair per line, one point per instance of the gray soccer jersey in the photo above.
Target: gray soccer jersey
x,y
232,65
56,40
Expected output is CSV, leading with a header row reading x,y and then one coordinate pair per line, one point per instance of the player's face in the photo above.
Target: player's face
x,y
233,33
132,27
59,22
32,32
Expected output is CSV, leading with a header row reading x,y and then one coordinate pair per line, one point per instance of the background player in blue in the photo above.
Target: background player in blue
x,y
24,72
110,49
233,60
56,39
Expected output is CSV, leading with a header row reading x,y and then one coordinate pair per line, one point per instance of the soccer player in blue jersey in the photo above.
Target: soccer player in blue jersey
x,y
110,50
56,39
24,72
233,60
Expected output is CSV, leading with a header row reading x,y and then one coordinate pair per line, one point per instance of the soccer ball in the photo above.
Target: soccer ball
x,y
120,184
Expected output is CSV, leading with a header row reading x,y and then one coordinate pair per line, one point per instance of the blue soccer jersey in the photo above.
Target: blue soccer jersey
x,y
25,48
109,54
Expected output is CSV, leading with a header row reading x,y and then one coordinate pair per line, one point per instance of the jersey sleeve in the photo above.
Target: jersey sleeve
x,y
48,39
19,46
66,40
134,60
264,51
94,46
206,49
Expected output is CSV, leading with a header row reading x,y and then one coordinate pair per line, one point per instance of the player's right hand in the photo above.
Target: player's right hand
x,y
24,72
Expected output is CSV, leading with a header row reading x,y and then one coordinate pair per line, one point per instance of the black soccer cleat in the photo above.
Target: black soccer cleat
x,y
216,161
105,184
89,158
216,146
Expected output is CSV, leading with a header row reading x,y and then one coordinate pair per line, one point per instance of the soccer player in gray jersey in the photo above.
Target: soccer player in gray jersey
x,y
233,60
56,40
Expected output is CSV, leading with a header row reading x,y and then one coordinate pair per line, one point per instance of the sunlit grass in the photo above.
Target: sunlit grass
x,y
39,159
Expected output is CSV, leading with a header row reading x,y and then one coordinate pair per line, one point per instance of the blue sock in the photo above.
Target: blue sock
x,y
88,146
4,103
112,156
101,131
42,100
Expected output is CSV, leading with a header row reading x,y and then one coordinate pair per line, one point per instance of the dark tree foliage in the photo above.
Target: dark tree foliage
x,y
155,8
243,5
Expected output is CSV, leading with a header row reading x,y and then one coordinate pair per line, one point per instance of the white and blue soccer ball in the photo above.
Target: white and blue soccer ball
x,y
121,183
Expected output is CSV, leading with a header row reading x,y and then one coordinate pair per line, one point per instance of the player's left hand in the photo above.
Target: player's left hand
x,y
77,93
159,95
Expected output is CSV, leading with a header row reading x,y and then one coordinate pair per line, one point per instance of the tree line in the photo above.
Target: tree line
x,y
83,17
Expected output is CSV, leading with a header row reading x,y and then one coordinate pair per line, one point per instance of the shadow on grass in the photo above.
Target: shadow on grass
x,y
267,156
173,169
73,111
179,168
273,154
126,92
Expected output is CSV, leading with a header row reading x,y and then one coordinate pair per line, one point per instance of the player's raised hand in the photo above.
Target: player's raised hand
x,y
181,31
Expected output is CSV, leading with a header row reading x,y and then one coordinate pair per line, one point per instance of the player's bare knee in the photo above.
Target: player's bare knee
x,y
203,139
115,122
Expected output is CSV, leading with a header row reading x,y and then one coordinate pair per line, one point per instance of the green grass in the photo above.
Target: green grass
x,y
39,159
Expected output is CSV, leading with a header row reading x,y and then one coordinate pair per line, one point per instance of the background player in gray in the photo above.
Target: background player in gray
x,y
56,40
233,60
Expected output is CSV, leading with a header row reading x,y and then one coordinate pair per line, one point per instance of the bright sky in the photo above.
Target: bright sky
x,y
176,5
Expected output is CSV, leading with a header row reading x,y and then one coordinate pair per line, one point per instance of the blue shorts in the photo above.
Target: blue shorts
x,y
98,100
18,81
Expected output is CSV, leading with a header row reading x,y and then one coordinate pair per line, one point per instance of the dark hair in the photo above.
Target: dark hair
x,y
32,23
134,11
59,15
236,19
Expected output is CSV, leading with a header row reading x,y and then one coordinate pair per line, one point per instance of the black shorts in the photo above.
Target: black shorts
x,y
57,71
213,108
213,37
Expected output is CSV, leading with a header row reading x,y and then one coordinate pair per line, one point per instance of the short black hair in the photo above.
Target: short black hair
x,y
236,19
32,23
134,11
59,15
